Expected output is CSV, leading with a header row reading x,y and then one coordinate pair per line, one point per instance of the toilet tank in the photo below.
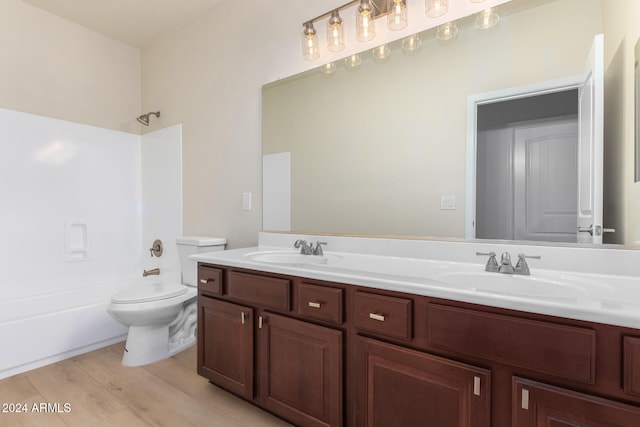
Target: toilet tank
x,y
190,245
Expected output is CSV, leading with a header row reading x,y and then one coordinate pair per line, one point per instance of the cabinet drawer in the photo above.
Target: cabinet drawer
x,y
266,291
564,351
383,314
320,302
210,280
631,378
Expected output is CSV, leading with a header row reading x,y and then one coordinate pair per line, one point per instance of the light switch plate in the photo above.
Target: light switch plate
x,y
447,202
246,201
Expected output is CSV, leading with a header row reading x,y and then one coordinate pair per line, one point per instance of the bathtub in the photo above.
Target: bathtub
x,y
45,328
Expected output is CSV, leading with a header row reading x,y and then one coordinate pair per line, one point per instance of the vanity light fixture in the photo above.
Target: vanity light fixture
x,y
329,68
447,31
352,61
411,43
365,24
381,52
335,32
397,17
486,19
436,8
310,50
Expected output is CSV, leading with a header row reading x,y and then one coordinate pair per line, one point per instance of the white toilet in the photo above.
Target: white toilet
x,y
162,317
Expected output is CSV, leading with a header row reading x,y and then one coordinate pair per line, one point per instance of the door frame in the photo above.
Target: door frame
x,y
501,95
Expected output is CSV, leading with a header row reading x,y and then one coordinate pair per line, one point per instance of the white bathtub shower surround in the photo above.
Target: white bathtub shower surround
x,y
587,283
71,222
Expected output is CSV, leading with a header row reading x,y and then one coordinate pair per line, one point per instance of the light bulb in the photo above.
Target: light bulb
x,y
487,19
436,8
365,25
329,68
411,43
352,61
447,31
310,50
335,33
381,52
397,18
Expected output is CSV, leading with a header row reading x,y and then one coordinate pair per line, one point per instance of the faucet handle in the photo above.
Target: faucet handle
x,y
492,264
304,246
318,249
522,267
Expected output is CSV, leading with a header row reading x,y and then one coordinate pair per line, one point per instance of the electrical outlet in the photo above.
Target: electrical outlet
x,y
447,203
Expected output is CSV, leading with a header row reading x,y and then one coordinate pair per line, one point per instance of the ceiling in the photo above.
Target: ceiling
x,y
135,22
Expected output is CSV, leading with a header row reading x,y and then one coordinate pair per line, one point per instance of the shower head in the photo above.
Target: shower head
x,y
144,119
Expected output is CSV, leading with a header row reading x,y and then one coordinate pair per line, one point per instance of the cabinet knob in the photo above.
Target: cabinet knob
x,y
376,316
314,304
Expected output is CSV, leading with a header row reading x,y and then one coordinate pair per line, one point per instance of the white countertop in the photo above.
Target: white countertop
x,y
602,298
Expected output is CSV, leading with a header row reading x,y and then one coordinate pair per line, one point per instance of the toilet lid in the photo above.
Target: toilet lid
x,y
149,292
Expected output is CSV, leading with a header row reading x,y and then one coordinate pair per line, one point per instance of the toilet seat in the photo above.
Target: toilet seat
x,y
148,292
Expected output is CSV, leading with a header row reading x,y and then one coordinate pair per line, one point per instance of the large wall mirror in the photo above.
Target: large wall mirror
x,y
382,149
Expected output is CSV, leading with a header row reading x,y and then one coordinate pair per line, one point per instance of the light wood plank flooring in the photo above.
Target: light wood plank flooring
x,y
99,391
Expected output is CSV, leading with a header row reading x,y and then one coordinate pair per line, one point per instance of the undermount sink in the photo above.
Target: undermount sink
x,y
515,285
289,258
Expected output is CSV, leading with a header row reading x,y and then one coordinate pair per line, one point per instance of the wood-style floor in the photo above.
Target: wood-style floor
x,y
99,391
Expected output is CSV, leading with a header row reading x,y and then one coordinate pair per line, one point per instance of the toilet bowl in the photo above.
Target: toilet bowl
x,y
162,317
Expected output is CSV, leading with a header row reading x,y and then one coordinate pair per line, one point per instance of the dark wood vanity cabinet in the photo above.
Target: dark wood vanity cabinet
x,y
396,386
250,343
328,354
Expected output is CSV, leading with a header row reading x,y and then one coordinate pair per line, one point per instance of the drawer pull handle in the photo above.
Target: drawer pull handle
x,y
243,317
376,316
525,398
476,386
259,322
204,281
314,304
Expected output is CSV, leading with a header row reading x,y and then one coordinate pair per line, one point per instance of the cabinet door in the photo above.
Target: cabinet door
x,y
537,404
300,370
400,387
225,345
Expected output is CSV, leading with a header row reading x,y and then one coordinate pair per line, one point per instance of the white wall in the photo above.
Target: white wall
x,y
162,199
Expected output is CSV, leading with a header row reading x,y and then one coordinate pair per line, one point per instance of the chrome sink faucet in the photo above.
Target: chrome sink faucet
x,y
505,266
308,249
304,246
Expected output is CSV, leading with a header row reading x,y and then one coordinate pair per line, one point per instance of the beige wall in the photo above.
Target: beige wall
x,y
621,34
52,67
208,76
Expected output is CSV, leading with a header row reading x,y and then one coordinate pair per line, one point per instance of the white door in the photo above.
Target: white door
x,y
545,175
590,146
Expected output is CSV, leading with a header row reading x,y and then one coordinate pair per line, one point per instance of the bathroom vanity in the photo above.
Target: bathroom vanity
x,y
362,350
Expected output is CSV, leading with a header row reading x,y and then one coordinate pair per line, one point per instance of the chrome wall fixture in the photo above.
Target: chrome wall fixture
x,y
144,119
367,12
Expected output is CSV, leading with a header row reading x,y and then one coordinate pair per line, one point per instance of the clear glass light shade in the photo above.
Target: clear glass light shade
x,y
411,43
447,31
397,17
365,25
436,8
329,68
335,33
381,52
352,61
310,48
487,19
